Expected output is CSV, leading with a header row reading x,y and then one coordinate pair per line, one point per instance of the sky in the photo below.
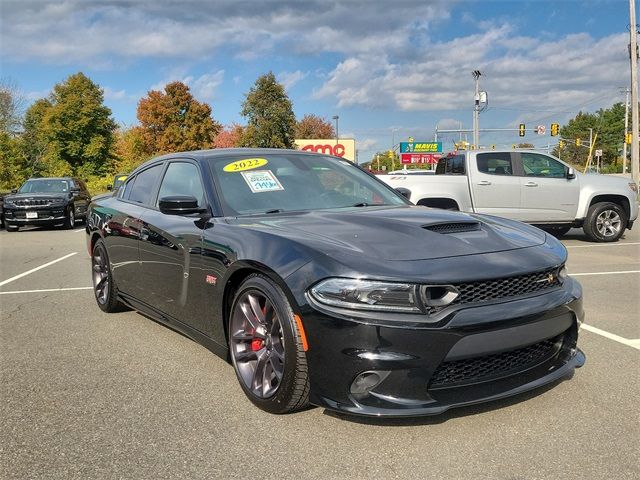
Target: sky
x,y
389,70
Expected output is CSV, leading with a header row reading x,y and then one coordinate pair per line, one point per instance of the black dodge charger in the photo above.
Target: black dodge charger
x,y
322,285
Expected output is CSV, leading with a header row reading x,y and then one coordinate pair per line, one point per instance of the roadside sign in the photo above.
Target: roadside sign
x,y
541,129
407,158
598,153
420,147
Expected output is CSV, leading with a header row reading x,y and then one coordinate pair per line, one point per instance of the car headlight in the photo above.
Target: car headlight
x,y
58,201
562,274
367,295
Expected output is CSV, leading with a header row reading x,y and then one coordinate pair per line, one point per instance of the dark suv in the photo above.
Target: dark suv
x,y
46,201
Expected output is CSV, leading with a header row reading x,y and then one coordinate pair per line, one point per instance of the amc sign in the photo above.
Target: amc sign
x,y
343,147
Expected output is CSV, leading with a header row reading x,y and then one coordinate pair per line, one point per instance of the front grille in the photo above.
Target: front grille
x,y
482,291
34,202
479,369
22,214
453,227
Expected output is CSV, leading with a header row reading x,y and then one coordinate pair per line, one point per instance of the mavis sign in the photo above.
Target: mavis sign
x,y
343,147
420,147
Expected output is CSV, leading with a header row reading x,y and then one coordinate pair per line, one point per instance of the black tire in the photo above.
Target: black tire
x,y
264,342
104,288
11,228
605,222
70,220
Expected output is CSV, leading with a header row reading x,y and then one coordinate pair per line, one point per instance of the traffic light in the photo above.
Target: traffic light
x,y
521,130
561,144
555,128
578,142
627,138
390,153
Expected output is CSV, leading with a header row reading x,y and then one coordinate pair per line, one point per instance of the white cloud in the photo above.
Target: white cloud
x,y
203,87
289,79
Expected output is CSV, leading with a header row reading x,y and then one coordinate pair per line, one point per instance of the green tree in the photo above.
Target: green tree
x,y
12,171
78,127
129,149
383,159
12,104
33,143
174,121
269,114
313,126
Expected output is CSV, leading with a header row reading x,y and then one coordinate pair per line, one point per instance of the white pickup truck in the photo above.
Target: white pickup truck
x,y
528,186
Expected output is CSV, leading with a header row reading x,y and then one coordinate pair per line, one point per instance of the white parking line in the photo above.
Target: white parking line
x,y
46,290
618,244
603,273
79,230
612,336
9,280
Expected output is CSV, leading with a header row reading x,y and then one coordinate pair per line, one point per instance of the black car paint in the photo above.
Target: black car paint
x,y
77,198
182,271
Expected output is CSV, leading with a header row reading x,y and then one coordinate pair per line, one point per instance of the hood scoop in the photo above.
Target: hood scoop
x,y
453,227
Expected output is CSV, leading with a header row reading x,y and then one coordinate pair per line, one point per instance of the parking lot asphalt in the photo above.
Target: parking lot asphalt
x,y
91,395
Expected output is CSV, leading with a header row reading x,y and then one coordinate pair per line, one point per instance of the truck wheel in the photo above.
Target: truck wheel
x,y
605,222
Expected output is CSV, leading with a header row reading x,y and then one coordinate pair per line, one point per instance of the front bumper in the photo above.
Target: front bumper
x,y
478,354
45,216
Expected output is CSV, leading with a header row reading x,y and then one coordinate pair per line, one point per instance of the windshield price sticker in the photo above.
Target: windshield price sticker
x,y
245,164
262,181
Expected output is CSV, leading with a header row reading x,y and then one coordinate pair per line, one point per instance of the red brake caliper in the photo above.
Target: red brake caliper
x,y
258,343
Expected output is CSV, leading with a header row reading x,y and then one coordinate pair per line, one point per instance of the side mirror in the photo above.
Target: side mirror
x,y
180,205
109,187
405,192
571,173
14,191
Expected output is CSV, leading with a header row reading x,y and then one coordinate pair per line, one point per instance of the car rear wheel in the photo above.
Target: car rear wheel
x,y
104,288
605,222
266,347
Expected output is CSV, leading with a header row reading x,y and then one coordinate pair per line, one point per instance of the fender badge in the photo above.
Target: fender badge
x,y
210,279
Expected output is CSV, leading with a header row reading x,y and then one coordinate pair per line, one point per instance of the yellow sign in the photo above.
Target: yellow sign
x,y
245,164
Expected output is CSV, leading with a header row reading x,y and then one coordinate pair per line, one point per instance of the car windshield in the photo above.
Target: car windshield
x,y
45,186
287,182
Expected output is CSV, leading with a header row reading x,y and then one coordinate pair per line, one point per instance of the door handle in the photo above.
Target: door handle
x,y
531,184
484,182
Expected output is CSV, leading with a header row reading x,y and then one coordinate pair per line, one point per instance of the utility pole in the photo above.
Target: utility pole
x,y
633,51
626,129
336,117
476,109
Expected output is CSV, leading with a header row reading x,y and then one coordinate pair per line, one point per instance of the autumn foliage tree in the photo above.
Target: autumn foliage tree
x,y
173,121
313,126
129,149
269,114
229,137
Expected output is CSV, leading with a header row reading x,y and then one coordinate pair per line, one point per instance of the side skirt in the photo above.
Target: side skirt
x,y
220,350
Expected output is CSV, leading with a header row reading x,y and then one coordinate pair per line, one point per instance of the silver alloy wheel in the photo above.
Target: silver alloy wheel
x,y
608,223
72,219
100,275
257,343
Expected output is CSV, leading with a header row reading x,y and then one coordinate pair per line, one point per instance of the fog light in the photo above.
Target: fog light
x,y
367,381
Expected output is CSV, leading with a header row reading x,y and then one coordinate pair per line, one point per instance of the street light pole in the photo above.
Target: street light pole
x,y
476,109
633,51
336,117
626,129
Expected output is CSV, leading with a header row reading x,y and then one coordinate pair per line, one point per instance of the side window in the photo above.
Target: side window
x,y
143,184
538,165
452,165
182,178
498,163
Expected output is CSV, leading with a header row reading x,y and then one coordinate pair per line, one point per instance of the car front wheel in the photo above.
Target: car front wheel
x,y
70,221
605,222
266,347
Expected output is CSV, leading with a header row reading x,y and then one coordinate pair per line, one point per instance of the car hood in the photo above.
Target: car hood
x,y
22,196
397,233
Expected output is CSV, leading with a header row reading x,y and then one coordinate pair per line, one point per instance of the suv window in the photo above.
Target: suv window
x,y
451,165
141,188
538,165
498,163
182,178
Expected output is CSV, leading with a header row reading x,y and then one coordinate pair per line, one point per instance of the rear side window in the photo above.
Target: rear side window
x,y
452,165
182,178
498,163
141,189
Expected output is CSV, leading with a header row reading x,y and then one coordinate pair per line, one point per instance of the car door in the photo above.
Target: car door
x,y
124,229
81,198
494,186
170,248
547,195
